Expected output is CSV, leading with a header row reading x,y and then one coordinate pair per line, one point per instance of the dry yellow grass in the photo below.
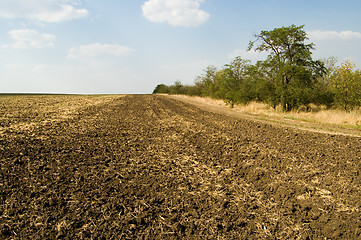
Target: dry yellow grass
x,y
315,115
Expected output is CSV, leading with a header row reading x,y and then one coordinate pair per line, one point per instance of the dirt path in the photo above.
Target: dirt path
x,y
280,121
151,167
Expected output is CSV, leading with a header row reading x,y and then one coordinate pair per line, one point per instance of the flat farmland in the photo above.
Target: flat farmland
x,y
154,167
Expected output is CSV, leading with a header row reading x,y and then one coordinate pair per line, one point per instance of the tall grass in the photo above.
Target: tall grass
x,y
316,114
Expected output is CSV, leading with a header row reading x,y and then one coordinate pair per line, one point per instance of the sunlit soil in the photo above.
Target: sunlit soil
x,y
152,167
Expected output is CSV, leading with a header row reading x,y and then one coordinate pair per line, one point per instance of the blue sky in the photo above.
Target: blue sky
x,y
130,46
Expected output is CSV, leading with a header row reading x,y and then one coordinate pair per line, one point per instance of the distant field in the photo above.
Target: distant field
x,y
158,167
19,111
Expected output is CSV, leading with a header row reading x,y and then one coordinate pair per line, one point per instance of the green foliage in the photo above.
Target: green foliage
x,y
346,85
179,88
291,63
211,82
234,84
289,77
161,88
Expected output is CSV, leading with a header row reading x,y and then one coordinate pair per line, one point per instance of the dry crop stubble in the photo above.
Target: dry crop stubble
x,y
148,166
24,112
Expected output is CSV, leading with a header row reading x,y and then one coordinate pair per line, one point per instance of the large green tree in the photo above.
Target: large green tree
x,y
290,58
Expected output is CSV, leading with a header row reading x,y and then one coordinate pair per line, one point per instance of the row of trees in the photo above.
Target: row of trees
x,y
289,77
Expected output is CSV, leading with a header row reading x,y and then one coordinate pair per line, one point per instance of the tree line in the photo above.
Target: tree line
x,y
289,77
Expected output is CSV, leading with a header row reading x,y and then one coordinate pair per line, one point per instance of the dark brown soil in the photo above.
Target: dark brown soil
x,y
151,167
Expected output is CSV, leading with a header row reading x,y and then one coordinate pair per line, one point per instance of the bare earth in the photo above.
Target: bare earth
x,y
154,167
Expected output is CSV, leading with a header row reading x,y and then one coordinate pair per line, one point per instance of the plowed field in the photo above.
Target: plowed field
x,y
152,167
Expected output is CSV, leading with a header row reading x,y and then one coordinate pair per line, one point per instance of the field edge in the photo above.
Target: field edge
x,y
218,106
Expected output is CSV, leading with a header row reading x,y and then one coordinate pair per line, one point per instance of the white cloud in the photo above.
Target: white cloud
x,y
175,12
325,35
42,10
247,55
96,49
29,38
